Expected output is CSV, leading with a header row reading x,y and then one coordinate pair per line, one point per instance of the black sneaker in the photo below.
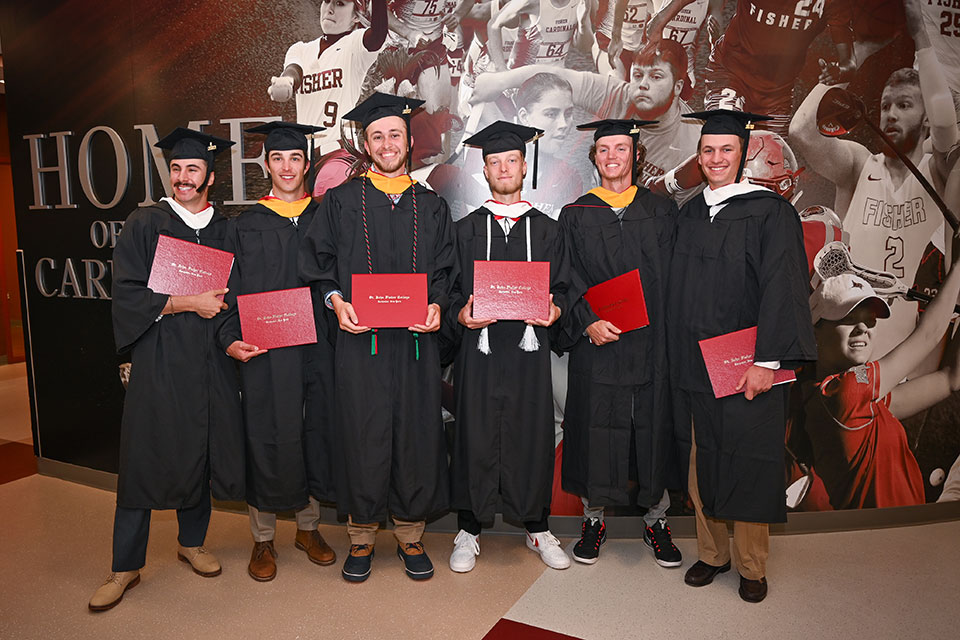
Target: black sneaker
x,y
356,568
658,538
593,534
415,560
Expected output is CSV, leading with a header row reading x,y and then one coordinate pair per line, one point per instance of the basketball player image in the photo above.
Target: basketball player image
x,y
778,33
546,32
888,215
325,76
942,25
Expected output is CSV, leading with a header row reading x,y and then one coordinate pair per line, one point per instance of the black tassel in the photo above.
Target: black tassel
x,y
536,156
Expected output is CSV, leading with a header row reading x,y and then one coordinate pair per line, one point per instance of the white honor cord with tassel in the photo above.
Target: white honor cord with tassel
x,y
529,341
483,340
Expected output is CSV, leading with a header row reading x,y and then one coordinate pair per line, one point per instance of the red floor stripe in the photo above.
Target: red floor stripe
x,y
16,461
510,630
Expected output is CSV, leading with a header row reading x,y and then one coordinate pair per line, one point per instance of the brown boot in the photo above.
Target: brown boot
x,y
263,563
316,547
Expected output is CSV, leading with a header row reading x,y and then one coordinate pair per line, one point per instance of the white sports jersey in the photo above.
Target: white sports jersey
x,y
636,16
425,16
331,82
943,27
889,229
552,34
685,27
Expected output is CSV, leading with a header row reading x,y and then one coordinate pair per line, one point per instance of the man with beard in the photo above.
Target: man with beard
x,y
503,444
738,263
389,433
890,217
657,84
617,429
286,397
179,438
325,75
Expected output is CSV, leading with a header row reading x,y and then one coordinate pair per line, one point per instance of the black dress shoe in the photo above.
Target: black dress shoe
x,y
753,590
701,574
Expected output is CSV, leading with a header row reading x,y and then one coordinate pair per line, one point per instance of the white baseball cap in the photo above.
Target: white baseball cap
x,y
839,295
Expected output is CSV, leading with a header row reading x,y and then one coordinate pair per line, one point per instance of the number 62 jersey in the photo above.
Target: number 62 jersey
x,y
332,73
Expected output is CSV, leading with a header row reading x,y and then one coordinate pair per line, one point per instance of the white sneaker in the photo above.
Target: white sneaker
x,y
466,548
547,545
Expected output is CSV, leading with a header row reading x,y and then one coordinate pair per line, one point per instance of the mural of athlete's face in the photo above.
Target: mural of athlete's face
x,y
612,157
552,112
902,116
504,173
847,342
186,178
653,88
287,171
386,143
336,16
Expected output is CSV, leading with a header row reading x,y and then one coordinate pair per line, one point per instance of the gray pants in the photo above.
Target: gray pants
x,y
263,525
655,512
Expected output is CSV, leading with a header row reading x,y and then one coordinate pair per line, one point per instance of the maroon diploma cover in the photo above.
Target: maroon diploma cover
x,y
620,301
506,290
275,319
182,268
727,358
385,300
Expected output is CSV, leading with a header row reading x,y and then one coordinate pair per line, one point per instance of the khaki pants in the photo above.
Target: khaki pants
x,y
263,524
751,540
405,532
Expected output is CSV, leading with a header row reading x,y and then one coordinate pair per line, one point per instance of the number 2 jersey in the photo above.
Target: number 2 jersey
x,y
889,231
333,70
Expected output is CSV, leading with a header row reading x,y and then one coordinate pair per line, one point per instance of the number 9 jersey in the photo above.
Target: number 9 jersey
x,y
332,73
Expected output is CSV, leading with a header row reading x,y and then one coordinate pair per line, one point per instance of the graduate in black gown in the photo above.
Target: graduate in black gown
x,y
390,442
617,430
738,262
504,440
287,392
180,435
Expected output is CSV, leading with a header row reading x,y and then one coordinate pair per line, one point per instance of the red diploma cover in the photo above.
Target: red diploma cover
x,y
275,319
620,301
727,358
506,290
385,300
182,268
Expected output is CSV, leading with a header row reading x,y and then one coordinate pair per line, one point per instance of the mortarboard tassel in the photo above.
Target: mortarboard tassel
x,y
536,156
529,342
483,342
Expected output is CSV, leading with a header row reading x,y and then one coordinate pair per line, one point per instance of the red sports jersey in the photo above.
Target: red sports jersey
x,y
766,42
860,449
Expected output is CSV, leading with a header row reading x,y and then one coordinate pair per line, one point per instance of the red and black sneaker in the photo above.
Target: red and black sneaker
x,y
658,538
593,534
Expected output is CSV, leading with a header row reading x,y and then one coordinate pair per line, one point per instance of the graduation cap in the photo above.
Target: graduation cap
x,y
729,122
506,136
187,144
289,136
612,127
382,105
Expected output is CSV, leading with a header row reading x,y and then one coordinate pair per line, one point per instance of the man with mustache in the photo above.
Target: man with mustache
x,y
286,391
890,217
389,431
179,438
617,427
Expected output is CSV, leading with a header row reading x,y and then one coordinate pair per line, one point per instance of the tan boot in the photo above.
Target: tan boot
x,y
203,562
316,547
263,563
111,592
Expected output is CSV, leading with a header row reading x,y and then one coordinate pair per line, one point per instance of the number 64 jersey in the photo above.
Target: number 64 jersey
x,y
332,73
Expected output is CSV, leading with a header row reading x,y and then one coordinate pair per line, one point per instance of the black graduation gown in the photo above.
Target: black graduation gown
x,y
181,414
746,268
619,393
503,445
389,438
287,392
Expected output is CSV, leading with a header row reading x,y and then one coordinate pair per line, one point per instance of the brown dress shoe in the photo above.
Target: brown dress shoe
x,y
263,562
316,547
753,590
701,574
